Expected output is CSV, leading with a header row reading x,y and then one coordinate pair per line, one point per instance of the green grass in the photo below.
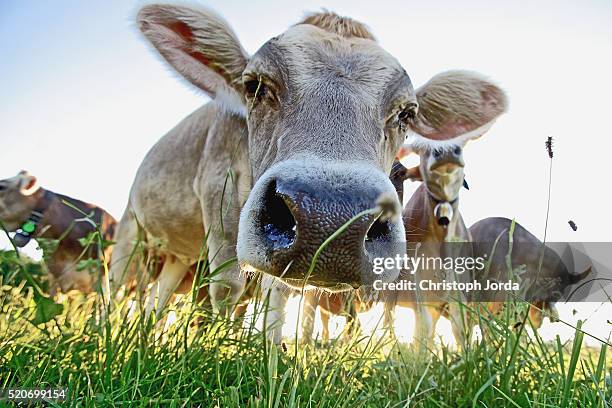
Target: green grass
x,y
131,363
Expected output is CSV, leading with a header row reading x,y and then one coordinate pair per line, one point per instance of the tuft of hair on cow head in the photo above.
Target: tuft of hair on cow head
x,y
334,23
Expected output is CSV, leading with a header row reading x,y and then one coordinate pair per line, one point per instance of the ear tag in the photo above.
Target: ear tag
x,y
29,227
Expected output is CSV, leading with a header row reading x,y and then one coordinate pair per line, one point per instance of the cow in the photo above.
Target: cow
x,y
432,221
32,211
545,276
297,139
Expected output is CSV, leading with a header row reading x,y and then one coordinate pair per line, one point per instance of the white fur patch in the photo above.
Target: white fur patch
x,y
230,102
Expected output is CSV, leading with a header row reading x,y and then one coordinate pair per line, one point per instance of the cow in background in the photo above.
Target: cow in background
x,y
432,219
431,216
542,270
34,212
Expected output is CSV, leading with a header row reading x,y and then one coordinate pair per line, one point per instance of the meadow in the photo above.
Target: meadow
x,y
200,360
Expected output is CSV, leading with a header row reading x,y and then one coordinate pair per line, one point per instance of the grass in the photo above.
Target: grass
x,y
130,362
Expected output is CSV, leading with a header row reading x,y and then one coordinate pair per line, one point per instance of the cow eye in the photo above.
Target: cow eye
x,y
255,88
407,113
2,188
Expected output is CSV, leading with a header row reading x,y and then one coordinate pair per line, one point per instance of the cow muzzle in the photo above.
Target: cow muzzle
x,y
295,207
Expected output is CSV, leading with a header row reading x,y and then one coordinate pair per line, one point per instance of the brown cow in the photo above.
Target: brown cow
x,y
545,284
432,218
34,212
299,138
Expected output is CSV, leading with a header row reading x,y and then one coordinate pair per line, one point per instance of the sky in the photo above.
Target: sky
x,y
83,97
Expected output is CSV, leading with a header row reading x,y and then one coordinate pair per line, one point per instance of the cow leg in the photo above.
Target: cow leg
x,y
275,295
435,313
535,315
325,323
239,313
389,318
222,183
67,278
170,277
553,313
225,291
52,283
352,322
124,257
484,311
424,329
311,301
459,323
227,286
72,279
54,271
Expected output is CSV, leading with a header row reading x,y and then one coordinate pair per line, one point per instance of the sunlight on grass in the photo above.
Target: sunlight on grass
x,y
131,362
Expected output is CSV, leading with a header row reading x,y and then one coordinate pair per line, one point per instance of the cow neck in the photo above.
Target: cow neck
x,y
29,227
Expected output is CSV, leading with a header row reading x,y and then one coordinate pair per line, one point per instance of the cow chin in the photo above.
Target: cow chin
x,y
297,205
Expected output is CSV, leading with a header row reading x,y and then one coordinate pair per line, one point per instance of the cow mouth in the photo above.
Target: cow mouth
x,y
327,287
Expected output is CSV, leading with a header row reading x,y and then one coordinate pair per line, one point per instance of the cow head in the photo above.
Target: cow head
x,y
17,199
327,110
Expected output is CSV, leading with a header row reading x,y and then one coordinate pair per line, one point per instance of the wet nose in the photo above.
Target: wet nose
x,y
299,209
297,214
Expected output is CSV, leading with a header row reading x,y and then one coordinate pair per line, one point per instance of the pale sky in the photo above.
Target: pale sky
x,y
84,98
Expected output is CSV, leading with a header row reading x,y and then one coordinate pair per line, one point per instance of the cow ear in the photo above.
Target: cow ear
x,y
28,184
198,44
457,106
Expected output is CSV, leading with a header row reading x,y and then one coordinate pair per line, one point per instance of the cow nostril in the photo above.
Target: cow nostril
x,y
279,225
378,231
457,150
443,221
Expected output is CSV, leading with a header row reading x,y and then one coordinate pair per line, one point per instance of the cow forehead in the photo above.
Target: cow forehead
x,y
308,54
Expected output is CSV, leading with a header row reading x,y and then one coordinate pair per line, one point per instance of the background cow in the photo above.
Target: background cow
x,y
34,212
543,273
431,219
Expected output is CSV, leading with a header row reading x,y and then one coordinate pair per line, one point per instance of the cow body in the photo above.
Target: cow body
x,y
422,218
545,274
179,196
64,219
